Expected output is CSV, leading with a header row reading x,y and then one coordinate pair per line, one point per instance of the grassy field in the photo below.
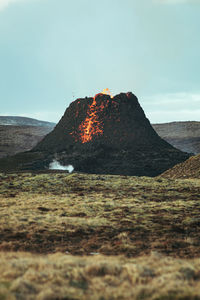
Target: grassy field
x,y
79,236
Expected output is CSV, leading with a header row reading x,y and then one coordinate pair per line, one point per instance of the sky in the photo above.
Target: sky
x,y
55,51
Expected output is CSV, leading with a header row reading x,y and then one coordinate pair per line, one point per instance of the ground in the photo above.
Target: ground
x,y
187,169
80,236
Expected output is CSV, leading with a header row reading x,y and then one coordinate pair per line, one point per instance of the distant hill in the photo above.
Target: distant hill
x,y
19,134
23,121
188,169
15,139
182,135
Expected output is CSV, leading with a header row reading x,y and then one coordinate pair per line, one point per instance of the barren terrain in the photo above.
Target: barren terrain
x,y
184,136
15,139
19,134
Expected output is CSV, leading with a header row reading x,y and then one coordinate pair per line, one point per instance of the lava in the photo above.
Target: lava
x,y
107,92
92,126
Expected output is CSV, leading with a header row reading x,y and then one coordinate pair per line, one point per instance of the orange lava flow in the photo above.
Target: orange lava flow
x,y
91,126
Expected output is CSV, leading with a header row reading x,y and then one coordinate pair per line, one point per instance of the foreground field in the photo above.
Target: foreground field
x,y
108,214
66,277
150,226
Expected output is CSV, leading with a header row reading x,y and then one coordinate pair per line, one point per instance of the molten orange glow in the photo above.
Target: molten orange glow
x,y
92,126
107,92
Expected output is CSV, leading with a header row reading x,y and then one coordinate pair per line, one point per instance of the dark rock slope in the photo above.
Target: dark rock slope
x,y
104,135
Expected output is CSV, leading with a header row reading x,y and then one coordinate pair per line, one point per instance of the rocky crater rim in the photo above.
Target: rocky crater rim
x,y
116,98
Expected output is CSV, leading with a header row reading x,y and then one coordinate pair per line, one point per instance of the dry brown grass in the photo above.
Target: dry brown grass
x,y
107,214
139,220
35,277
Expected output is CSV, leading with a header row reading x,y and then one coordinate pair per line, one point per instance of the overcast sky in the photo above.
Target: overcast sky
x,y
54,51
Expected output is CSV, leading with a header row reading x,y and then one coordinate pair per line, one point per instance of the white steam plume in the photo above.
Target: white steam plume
x,y
55,165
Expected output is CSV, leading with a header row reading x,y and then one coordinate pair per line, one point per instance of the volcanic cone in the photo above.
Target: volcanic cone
x,y
108,135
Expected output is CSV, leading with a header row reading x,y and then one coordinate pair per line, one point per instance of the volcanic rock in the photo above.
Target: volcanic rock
x,y
188,169
105,135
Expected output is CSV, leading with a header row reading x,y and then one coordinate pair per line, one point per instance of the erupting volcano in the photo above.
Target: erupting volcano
x,y
105,135
112,135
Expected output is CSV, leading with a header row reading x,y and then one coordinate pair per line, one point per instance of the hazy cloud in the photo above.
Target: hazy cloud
x,y
5,3
160,116
172,107
176,99
177,1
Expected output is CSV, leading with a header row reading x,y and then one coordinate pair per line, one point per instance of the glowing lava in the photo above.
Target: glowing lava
x,y
91,126
107,92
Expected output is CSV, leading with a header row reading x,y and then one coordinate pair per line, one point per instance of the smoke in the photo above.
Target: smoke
x,y
55,165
